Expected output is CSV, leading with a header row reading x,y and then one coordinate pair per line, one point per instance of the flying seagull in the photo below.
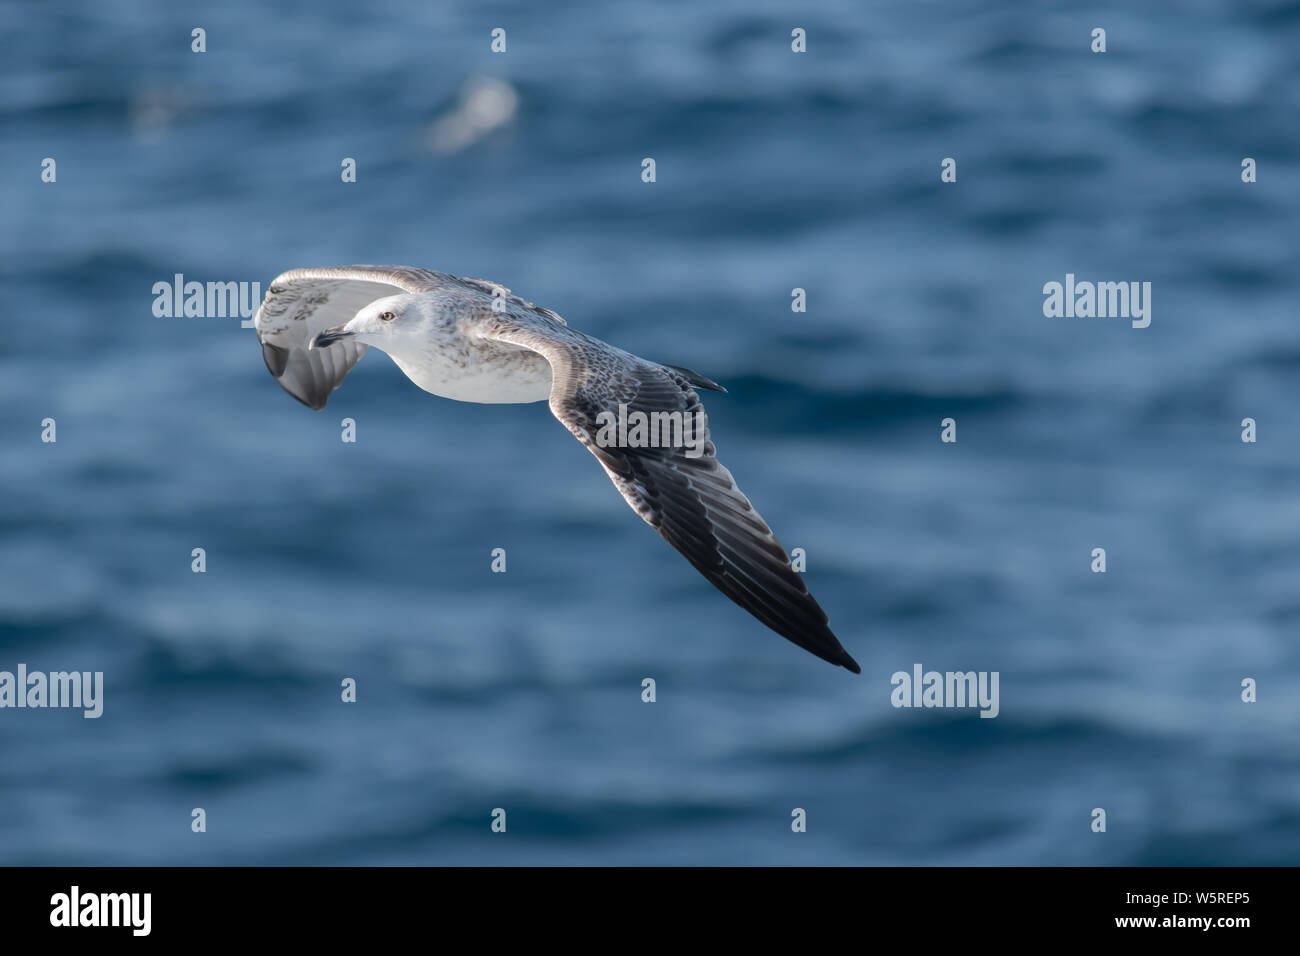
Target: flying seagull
x,y
473,341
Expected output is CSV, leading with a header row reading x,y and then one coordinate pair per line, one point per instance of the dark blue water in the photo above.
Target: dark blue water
x,y
521,690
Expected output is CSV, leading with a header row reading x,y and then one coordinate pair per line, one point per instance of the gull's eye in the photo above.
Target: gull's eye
x,y
386,316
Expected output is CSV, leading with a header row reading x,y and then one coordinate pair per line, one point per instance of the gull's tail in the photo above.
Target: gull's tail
x,y
696,379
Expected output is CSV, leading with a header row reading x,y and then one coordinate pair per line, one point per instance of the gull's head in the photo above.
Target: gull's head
x,y
381,324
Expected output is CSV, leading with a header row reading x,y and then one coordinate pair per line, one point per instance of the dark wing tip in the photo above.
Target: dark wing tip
x,y
315,402
275,357
302,374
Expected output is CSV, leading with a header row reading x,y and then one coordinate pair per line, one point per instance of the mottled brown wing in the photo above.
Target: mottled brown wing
x,y
693,502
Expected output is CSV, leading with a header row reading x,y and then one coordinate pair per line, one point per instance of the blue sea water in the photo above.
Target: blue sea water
x,y
775,170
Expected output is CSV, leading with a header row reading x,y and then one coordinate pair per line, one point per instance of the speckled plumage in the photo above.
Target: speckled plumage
x,y
473,340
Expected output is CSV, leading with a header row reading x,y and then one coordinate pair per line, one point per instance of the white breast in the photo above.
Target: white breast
x,y
491,377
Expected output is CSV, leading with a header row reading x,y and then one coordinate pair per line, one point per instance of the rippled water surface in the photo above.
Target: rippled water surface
x,y
774,171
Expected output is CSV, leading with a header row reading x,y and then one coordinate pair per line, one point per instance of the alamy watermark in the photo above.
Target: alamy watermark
x,y
75,908
638,429
922,688
1101,300
206,300
80,689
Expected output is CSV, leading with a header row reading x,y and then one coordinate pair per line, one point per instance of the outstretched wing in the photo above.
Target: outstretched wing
x,y
303,302
693,502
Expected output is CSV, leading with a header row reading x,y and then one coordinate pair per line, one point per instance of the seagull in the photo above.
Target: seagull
x,y
474,341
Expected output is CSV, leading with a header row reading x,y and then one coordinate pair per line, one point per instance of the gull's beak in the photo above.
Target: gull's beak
x,y
329,337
